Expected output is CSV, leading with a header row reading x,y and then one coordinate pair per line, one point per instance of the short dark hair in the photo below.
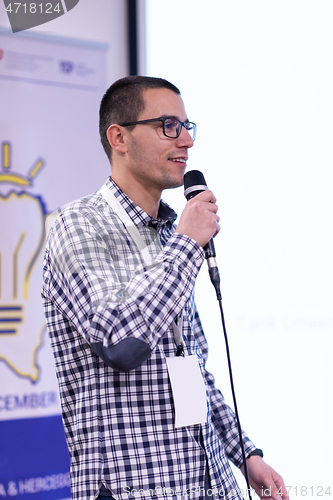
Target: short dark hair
x,y
124,101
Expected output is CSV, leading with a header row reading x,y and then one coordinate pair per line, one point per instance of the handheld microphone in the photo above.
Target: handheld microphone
x,y
194,183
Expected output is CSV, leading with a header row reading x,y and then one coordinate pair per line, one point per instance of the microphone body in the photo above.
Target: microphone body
x,y
194,183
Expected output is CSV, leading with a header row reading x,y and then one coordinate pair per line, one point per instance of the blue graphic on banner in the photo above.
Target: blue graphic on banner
x,y
66,66
38,449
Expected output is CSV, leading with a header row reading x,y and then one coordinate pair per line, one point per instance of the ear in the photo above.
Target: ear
x,y
116,137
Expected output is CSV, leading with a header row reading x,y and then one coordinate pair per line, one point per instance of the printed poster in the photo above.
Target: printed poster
x,y
50,154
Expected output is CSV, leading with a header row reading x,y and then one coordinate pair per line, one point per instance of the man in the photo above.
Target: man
x,y
118,298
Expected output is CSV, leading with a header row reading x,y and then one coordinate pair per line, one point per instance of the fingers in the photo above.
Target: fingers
x,y
266,482
206,195
206,200
199,219
281,489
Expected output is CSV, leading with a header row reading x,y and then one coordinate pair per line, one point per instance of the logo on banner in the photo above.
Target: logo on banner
x,y
28,14
22,242
66,67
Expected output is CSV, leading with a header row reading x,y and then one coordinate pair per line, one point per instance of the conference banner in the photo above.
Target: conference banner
x,y
50,89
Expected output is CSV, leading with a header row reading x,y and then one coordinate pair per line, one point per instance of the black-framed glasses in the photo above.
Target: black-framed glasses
x,y
172,127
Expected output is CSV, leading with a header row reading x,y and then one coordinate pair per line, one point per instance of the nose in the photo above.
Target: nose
x,y
185,139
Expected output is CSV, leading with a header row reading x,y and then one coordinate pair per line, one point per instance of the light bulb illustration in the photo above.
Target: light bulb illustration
x,y
22,237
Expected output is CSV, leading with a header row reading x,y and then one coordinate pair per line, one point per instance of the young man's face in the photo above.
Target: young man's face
x,y
156,161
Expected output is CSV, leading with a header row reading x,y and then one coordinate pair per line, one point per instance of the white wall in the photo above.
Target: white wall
x,y
257,79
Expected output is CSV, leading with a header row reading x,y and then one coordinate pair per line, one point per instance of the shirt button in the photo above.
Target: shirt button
x,y
198,262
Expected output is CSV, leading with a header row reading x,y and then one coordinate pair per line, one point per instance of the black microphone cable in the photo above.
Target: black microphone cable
x,y
194,183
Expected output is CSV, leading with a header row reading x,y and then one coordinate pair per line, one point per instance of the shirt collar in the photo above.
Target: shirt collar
x,y
166,215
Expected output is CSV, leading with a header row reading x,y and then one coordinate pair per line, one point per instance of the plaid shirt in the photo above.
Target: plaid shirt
x,y
109,317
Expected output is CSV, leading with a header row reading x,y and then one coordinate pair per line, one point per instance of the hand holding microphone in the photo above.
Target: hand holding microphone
x,y
199,219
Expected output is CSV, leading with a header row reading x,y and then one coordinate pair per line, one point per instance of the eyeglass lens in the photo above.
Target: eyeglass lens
x,y
173,127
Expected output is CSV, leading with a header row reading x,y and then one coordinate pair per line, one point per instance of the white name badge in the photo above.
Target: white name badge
x,y
188,390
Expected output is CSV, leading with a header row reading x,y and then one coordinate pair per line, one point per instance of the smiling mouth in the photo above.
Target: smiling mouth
x,y
178,160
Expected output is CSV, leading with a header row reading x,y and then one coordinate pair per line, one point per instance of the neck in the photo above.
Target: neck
x,y
147,199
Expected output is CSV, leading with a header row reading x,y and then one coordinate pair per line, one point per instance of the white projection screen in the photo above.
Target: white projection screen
x,y
257,79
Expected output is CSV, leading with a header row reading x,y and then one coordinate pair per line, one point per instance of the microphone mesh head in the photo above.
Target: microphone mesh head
x,y
194,178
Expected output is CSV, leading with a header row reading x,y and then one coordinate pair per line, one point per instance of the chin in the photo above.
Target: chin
x,y
176,179
173,183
